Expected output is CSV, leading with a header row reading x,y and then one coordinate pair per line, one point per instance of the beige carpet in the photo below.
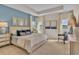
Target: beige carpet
x,y
74,48
53,48
12,50
49,48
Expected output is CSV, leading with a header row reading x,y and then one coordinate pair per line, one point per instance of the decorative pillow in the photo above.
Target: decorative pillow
x,y
23,32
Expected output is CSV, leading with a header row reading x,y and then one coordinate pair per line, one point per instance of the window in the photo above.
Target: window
x,y
3,30
64,24
3,27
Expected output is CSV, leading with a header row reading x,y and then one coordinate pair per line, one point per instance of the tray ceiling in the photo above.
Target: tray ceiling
x,y
42,7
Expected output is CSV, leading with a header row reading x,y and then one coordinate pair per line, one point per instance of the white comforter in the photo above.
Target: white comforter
x,y
36,38
30,41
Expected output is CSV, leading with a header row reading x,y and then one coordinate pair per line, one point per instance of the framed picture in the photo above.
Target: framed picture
x,y
20,22
14,21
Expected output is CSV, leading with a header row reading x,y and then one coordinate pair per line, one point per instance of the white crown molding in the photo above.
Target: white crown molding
x,y
25,8
21,7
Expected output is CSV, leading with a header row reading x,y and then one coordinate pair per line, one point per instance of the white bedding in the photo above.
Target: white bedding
x,y
30,41
36,38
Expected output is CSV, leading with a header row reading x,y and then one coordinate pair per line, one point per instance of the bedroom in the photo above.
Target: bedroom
x,y
33,29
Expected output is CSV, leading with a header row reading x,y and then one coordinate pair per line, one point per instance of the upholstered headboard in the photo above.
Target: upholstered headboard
x,y
14,29
23,32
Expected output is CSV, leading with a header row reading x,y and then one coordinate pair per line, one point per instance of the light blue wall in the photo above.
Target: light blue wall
x,y
7,13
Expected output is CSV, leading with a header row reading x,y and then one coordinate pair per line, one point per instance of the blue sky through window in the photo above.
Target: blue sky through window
x,y
64,22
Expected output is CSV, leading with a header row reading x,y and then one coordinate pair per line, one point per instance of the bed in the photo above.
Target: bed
x,y
29,42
